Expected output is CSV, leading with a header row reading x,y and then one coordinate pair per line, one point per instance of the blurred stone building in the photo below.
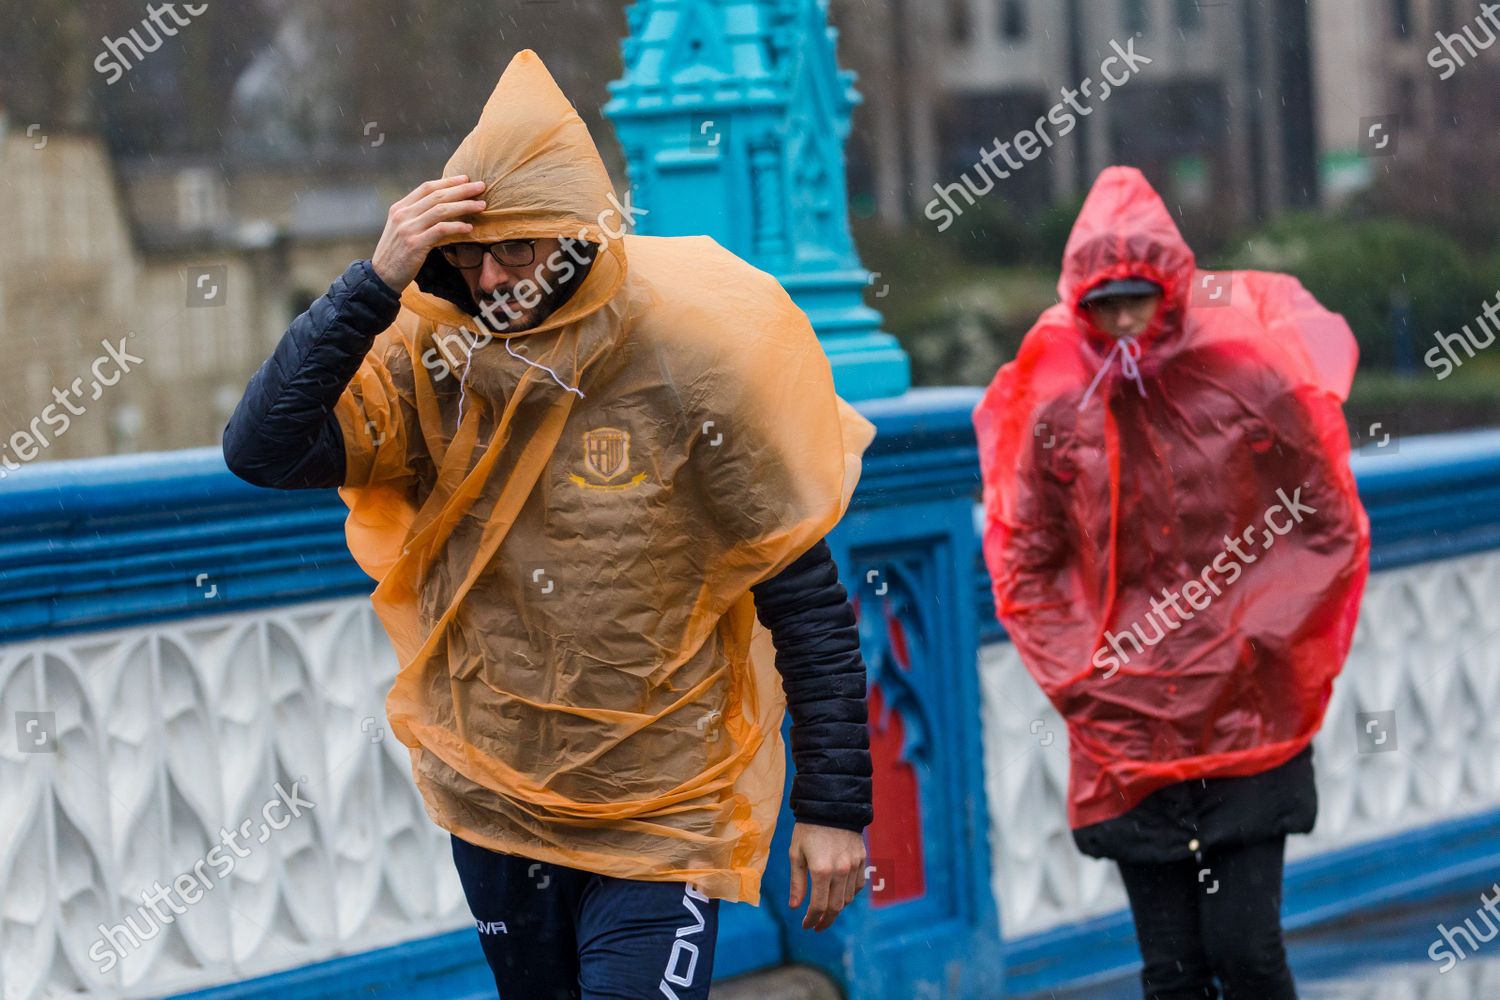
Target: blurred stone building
x,y
205,200
1420,64
197,264
1221,119
1249,107
1408,105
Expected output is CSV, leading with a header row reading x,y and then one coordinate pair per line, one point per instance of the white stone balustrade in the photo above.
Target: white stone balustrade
x,y
168,733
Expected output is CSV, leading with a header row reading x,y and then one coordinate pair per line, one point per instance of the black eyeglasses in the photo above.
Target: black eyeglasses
x,y
507,253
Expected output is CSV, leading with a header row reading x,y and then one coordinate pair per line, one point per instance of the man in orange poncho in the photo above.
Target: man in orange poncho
x,y
1178,552
580,465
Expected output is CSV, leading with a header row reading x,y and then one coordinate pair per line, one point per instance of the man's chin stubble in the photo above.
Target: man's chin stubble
x,y
504,322
497,319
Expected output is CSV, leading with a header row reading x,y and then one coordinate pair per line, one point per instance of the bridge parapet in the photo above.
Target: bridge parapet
x,y
185,644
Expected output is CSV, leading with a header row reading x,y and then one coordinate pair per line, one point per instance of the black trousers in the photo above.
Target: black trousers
x,y
1214,919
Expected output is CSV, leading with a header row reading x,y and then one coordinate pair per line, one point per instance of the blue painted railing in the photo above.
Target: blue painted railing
x,y
133,540
138,539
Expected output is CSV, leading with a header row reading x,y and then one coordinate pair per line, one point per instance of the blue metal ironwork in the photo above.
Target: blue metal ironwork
x,y
733,116
108,542
907,547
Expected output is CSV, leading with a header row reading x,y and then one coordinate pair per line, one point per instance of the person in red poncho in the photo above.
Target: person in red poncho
x,y
1178,552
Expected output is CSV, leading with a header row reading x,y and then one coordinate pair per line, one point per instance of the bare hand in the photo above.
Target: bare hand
x,y
418,222
836,860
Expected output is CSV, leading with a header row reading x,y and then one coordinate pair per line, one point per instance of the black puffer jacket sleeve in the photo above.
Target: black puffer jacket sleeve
x,y
817,654
283,433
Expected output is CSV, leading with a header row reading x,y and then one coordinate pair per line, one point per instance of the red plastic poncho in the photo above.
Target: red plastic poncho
x,y
1176,542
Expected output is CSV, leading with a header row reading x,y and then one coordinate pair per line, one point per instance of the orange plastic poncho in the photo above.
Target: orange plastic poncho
x,y
564,569
1112,478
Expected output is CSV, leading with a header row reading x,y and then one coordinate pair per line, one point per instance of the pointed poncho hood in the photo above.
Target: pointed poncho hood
x,y
544,178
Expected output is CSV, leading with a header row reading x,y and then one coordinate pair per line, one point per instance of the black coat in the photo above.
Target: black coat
x,y
283,435
1179,821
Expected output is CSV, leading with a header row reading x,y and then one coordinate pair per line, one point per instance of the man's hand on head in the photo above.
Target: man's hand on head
x,y
835,861
418,222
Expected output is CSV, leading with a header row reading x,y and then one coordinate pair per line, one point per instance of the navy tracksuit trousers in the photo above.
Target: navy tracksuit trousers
x,y
556,933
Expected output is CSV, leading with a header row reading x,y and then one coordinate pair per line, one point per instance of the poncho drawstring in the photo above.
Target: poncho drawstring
x,y
1129,350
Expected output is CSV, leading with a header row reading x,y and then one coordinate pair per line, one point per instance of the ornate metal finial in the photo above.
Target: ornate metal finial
x,y
733,116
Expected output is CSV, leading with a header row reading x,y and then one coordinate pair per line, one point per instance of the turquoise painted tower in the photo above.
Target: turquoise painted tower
x,y
733,116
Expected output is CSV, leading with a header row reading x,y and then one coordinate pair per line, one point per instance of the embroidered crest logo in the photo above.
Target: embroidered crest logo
x,y
606,452
606,456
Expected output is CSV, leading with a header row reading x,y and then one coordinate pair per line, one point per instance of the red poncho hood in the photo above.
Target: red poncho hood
x,y
1176,542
